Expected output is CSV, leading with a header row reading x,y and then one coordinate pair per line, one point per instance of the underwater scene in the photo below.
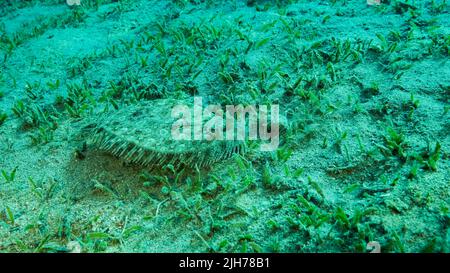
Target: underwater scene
x,y
225,126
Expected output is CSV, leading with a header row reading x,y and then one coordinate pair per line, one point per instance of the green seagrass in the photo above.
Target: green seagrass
x,y
141,133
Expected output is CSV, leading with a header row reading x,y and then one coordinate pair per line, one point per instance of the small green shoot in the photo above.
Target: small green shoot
x,y
10,216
